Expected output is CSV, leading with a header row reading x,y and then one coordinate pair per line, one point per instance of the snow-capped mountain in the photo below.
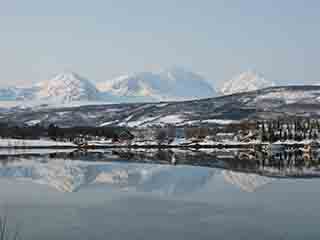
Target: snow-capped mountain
x,y
245,82
67,87
169,84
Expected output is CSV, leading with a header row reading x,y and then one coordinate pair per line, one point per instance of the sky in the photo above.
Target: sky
x,y
103,39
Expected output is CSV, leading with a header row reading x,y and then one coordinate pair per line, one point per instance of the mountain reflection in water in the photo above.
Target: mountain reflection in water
x,y
157,171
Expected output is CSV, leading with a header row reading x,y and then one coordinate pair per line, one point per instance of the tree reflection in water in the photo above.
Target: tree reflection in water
x,y
289,163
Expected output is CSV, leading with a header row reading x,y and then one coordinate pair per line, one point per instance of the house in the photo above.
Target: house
x,y
225,137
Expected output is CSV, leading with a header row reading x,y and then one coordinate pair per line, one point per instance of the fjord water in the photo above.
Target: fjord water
x,y
112,197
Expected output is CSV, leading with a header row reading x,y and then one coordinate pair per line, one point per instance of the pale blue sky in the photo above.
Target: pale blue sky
x,y
102,39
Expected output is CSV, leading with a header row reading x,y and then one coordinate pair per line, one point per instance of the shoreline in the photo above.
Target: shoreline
x,y
153,146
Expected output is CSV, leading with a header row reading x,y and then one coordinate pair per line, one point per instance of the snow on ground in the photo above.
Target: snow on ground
x,y
220,121
162,105
293,142
108,123
289,96
15,151
101,142
33,143
128,118
141,121
180,141
156,120
213,121
33,122
171,119
42,104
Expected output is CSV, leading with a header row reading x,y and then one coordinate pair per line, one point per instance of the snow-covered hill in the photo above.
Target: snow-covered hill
x,y
67,87
245,82
269,103
170,84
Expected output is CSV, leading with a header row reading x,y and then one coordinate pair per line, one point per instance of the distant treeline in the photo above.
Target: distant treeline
x,y
57,133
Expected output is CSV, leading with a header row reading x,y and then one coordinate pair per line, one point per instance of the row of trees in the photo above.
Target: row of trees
x,y
169,133
271,131
285,129
87,133
56,133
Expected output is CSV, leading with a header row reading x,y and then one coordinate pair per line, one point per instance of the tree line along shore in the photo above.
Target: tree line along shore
x,y
255,132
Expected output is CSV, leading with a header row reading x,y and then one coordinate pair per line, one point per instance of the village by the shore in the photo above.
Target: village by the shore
x,y
266,135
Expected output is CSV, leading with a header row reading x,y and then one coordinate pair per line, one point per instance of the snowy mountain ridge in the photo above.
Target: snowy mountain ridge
x,y
172,84
169,84
269,103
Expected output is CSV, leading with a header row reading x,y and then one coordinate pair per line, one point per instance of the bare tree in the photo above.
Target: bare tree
x,y
161,135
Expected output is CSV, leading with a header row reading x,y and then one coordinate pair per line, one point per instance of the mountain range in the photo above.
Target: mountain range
x,y
172,84
267,103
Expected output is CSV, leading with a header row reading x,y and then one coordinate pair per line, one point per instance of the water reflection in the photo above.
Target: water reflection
x,y
70,176
157,171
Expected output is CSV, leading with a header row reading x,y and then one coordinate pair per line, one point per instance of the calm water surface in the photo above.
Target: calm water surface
x,y
125,195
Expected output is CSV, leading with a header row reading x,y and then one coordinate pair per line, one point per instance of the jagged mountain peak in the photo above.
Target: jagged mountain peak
x,y
68,75
67,86
64,76
249,80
